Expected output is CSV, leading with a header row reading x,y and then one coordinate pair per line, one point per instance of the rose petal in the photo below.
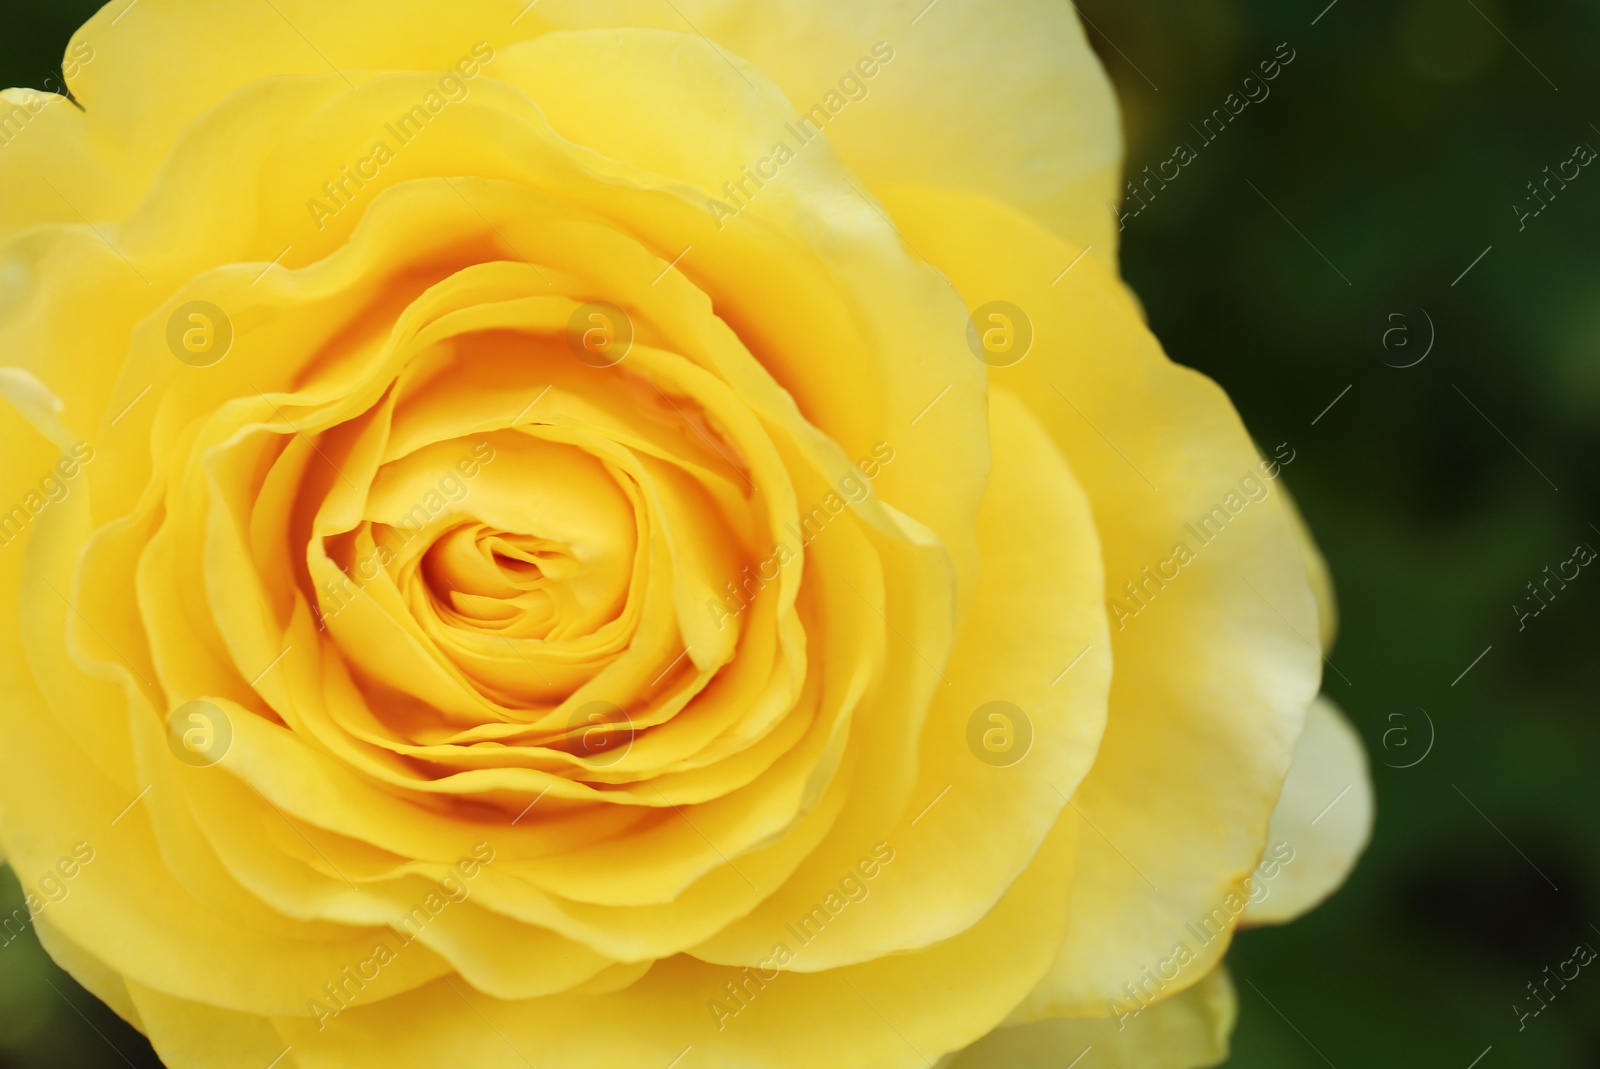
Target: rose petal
x,y
1214,673
1324,814
1185,1031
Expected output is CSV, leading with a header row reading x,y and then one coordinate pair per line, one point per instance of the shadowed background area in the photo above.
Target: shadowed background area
x,y
1392,168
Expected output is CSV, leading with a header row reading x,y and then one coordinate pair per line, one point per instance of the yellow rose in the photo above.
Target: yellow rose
x,y
630,535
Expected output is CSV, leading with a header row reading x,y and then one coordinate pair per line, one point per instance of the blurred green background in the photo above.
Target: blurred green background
x,y
1386,159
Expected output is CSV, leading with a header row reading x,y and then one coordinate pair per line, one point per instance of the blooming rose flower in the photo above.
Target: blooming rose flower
x,y
623,534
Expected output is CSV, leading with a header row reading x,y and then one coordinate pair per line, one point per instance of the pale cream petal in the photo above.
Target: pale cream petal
x,y
1320,575
1324,815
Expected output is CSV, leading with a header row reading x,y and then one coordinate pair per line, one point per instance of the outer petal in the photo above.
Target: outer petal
x,y
98,978
901,1009
1324,814
51,140
1215,664
925,117
1186,1031
1320,576
976,826
192,1033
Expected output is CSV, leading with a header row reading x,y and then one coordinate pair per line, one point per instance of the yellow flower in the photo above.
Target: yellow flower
x,y
629,537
